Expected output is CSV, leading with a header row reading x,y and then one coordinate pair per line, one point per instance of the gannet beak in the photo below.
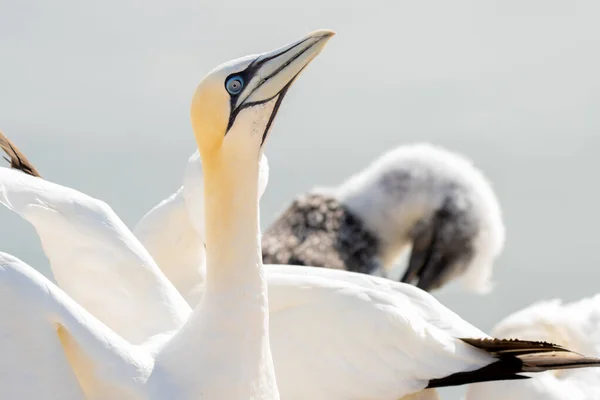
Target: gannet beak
x,y
425,269
436,257
272,73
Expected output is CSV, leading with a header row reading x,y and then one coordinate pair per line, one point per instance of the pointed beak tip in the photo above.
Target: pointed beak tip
x,y
322,33
320,38
327,32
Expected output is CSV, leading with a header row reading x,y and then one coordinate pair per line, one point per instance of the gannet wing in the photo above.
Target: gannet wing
x,y
95,258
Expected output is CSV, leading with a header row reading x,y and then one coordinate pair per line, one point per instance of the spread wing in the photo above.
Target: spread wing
x,y
95,258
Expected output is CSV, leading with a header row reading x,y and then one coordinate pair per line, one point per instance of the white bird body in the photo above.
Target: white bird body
x,y
574,325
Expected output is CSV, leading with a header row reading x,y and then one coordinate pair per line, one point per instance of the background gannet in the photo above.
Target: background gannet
x,y
421,197
574,325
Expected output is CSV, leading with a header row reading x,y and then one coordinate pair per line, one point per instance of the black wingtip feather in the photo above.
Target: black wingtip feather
x,y
498,371
515,357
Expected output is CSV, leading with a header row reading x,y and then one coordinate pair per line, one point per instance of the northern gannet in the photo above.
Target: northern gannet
x,y
352,336
218,351
422,197
574,325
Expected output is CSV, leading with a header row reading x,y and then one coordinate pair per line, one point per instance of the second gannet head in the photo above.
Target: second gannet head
x,y
435,203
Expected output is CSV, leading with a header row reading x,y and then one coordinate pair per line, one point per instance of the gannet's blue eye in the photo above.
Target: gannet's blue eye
x,y
234,85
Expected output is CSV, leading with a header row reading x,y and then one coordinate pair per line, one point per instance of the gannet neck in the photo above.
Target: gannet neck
x,y
193,191
235,298
233,249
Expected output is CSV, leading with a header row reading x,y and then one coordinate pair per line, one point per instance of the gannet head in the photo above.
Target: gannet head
x,y
436,204
235,104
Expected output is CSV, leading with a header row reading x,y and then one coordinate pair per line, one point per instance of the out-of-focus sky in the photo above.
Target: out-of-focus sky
x,y
97,95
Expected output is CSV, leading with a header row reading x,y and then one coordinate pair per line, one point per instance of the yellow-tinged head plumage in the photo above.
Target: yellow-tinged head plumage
x,y
235,104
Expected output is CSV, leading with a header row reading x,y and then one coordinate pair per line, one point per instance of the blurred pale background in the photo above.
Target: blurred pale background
x,y
97,95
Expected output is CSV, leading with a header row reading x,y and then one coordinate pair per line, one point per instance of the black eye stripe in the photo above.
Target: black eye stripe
x,y
235,112
274,113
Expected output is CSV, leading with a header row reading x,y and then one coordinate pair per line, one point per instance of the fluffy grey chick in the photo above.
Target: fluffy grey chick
x,y
418,198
